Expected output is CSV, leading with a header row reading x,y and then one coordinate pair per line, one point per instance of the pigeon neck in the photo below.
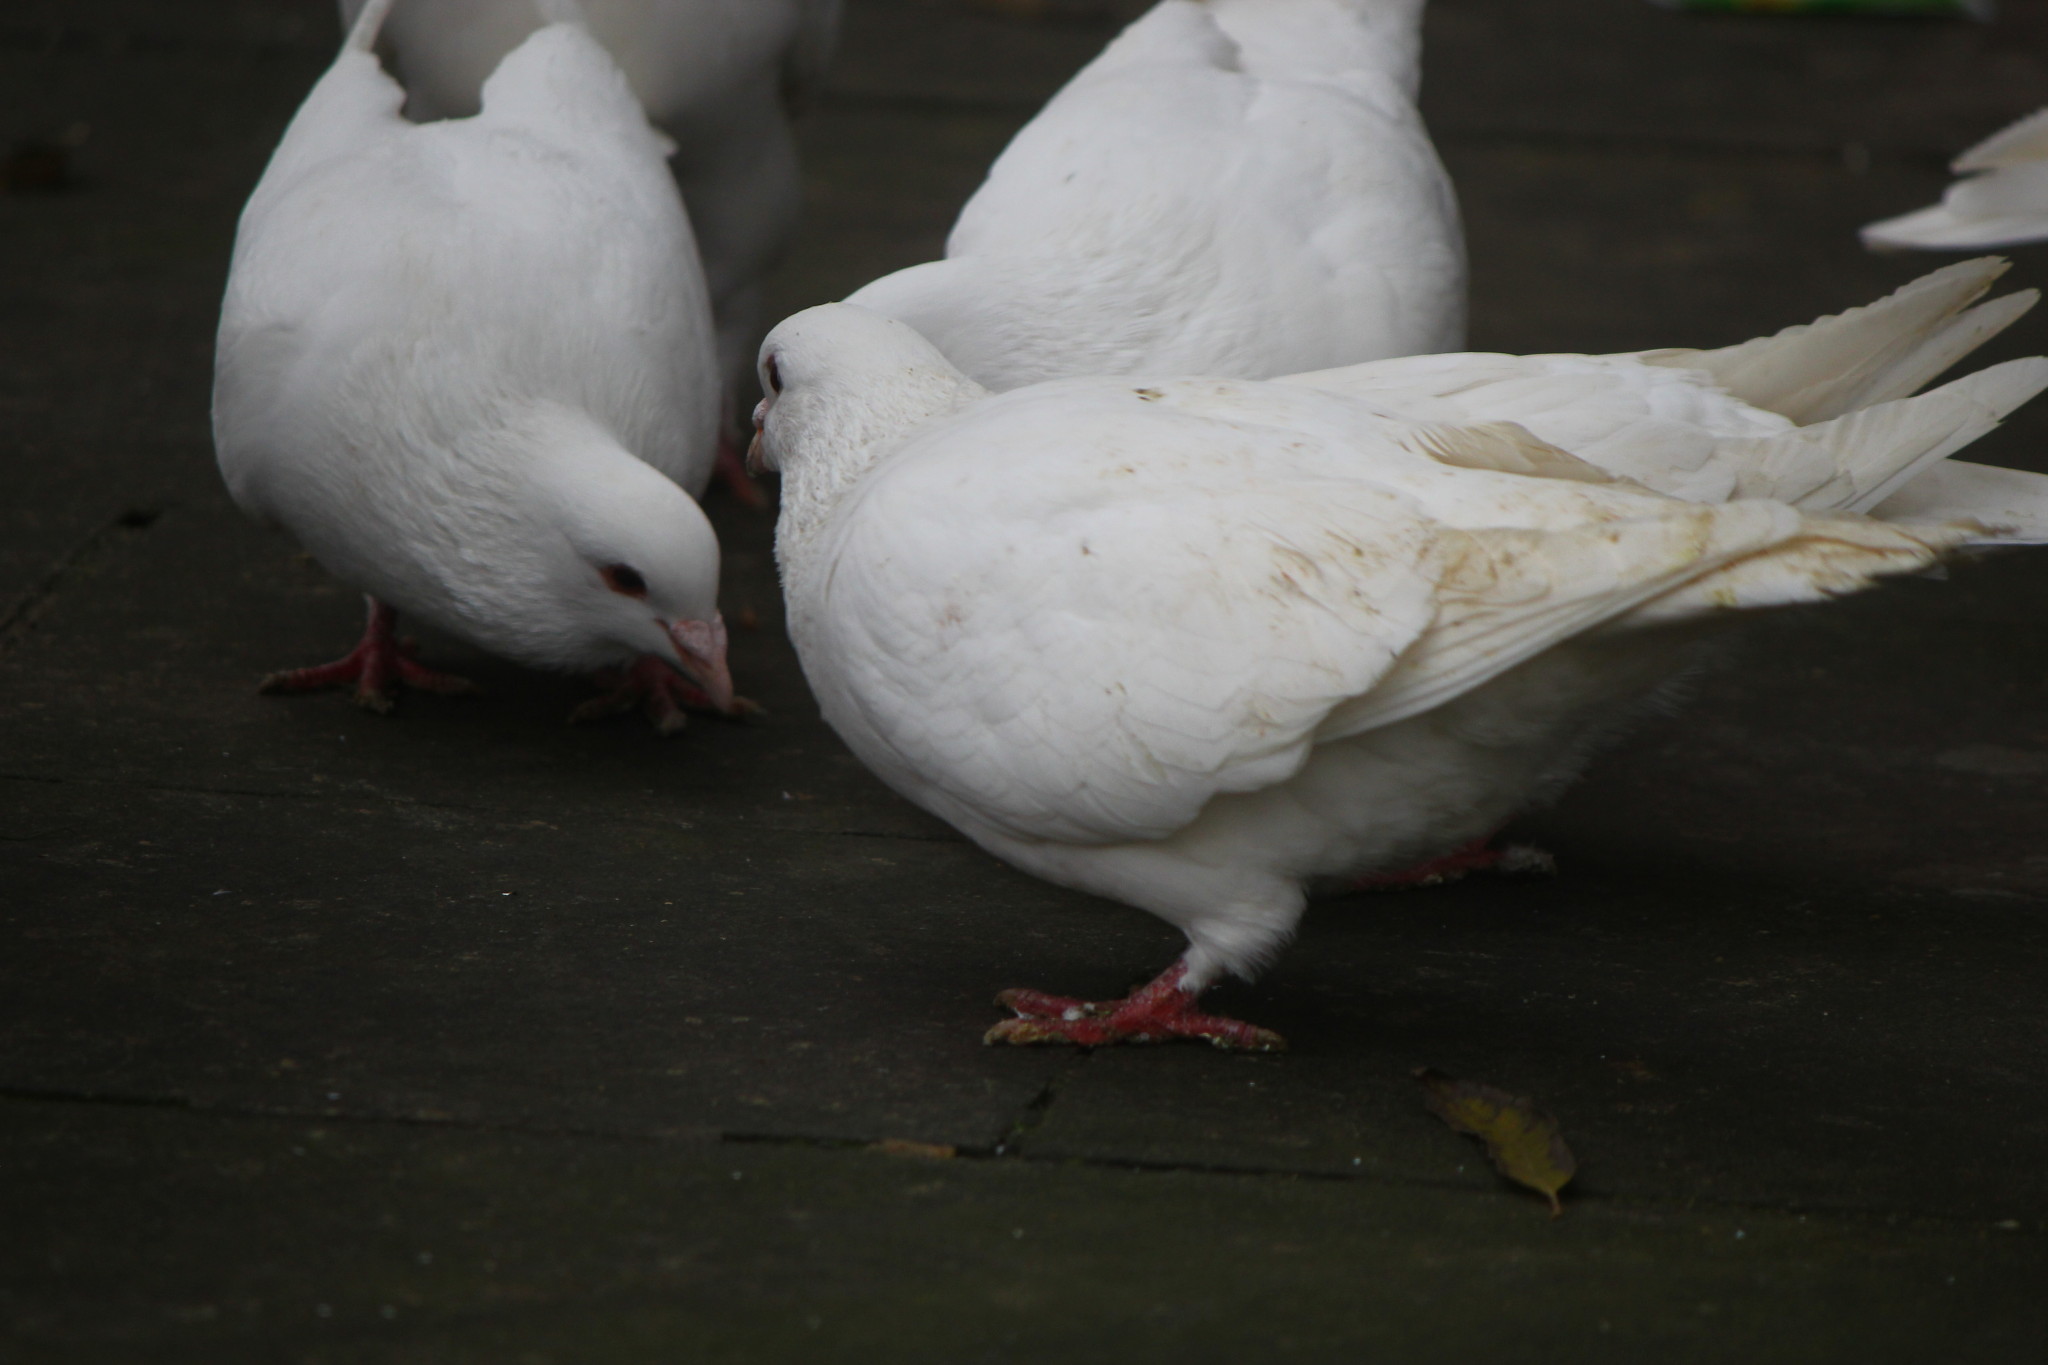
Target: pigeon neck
x,y
829,446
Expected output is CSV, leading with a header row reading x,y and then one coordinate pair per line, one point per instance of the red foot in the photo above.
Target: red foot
x,y
1478,856
659,690
378,666
732,468
1156,1012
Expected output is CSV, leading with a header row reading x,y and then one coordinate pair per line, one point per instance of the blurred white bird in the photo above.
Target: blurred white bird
x,y
2002,199
718,76
1236,187
1194,644
470,366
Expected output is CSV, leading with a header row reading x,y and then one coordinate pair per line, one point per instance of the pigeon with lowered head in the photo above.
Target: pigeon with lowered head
x,y
469,365
717,76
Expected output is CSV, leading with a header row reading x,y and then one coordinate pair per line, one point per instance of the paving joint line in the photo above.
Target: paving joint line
x,y
1680,1205
27,608
420,803
1598,1199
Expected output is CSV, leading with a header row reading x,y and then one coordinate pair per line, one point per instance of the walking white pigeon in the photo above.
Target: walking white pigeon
x,y
1236,187
2002,199
470,366
718,76
1196,644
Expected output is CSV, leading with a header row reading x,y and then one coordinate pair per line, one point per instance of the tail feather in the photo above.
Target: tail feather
x,y
1883,351
562,12
1854,462
369,22
2010,504
2016,144
2006,206
1300,39
1173,31
1969,219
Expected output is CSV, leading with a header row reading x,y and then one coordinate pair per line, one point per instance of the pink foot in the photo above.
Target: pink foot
x,y
732,468
378,666
1481,855
659,690
1156,1012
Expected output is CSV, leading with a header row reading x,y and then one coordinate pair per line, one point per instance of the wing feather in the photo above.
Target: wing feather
x,y
1091,646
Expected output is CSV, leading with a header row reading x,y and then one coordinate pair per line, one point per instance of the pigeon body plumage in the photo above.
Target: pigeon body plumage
x,y
1200,644
2001,199
1236,187
469,365
717,76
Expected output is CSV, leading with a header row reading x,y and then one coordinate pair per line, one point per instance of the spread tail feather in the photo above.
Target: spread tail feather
x,y
562,12
2011,504
1882,351
369,22
1297,39
1854,462
1957,224
2016,144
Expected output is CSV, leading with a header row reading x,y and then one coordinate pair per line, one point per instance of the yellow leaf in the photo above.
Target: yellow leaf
x,y
930,1151
1522,1141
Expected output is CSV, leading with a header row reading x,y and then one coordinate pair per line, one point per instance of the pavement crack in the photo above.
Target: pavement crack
x,y
315,1113
27,608
233,1111
1034,1112
403,803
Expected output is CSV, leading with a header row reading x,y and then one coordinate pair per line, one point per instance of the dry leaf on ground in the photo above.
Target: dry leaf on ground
x,y
931,1151
1522,1141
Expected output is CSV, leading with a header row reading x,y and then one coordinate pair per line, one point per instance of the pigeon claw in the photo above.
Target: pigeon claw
x,y
664,694
377,667
1158,1012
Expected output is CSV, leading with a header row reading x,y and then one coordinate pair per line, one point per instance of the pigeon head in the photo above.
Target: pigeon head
x,y
621,560
843,384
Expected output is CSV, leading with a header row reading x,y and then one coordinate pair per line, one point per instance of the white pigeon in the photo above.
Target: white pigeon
x,y
470,366
1238,187
1196,644
2002,199
717,76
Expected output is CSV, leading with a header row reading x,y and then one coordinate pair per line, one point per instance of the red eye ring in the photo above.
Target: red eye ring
x,y
624,579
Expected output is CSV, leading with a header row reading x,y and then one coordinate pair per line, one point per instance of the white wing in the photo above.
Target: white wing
x,y
1153,603
1708,426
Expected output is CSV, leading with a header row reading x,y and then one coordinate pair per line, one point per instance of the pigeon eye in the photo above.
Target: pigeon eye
x,y
624,578
774,373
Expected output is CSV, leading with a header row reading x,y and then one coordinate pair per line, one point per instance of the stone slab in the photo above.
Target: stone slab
x,y
151,1234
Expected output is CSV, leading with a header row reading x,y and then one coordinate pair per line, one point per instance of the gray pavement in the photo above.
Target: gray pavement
x,y
466,1036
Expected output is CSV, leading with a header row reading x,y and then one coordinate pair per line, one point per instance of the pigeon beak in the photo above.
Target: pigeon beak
x,y
757,463
700,649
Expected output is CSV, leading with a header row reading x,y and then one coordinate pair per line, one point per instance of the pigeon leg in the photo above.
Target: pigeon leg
x,y
1157,1012
732,468
378,666
652,685
1481,855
